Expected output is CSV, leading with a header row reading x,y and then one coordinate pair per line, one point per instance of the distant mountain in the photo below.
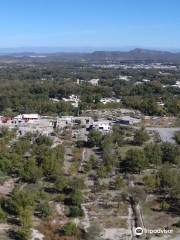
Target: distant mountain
x,y
137,54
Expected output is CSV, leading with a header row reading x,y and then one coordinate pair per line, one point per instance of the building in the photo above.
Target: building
x,y
94,82
23,118
71,121
103,126
110,100
126,120
73,99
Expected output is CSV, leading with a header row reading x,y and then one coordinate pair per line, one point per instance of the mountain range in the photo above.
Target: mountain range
x,y
137,54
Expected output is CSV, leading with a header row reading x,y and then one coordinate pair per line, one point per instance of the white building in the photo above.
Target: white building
x,y
94,81
125,78
73,99
30,118
110,100
177,84
145,80
103,126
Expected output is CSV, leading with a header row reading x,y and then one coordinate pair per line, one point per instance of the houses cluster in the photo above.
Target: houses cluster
x,y
137,66
80,125
73,99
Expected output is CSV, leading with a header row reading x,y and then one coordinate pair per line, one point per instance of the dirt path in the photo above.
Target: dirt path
x,y
68,160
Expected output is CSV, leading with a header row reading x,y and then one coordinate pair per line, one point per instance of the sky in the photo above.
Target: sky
x,y
90,23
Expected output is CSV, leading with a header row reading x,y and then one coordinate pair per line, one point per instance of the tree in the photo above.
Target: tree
x,y
20,199
69,229
177,137
3,216
24,233
44,140
94,138
153,153
25,217
103,171
44,210
169,179
76,211
140,136
118,135
170,152
93,161
135,160
77,198
164,205
119,182
151,183
22,146
31,172
60,183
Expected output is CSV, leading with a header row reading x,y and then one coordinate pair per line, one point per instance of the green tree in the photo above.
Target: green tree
x,y
153,153
44,210
141,136
77,198
44,140
3,216
69,229
119,182
25,217
177,137
76,211
135,160
61,183
94,138
170,152
151,183
31,172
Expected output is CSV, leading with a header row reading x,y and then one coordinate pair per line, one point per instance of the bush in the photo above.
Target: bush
x,y
69,229
76,211
3,216
44,140
164,206
24,233
177,137
140,136
44,210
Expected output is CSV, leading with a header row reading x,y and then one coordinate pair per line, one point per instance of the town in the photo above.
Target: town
x,y
88,152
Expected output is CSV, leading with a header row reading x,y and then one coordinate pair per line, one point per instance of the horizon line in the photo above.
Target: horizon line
x,y
79,49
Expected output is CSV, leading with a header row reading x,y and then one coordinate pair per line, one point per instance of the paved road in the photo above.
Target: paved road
x,y
166,134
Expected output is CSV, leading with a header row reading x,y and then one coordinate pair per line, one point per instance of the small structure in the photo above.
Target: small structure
x,y
145,80
72,121
24,118
103,126
94,81
110,100
177,84
127,120
73,99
